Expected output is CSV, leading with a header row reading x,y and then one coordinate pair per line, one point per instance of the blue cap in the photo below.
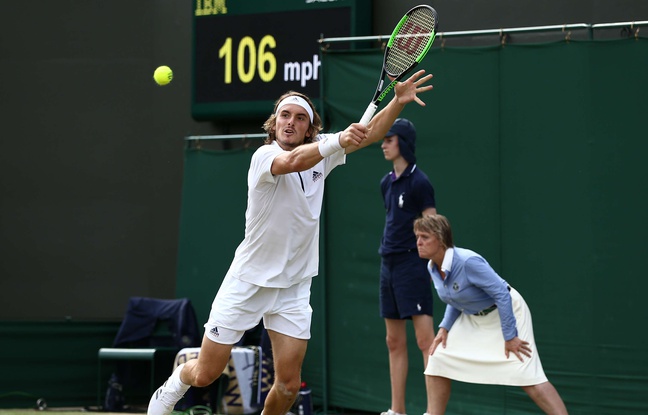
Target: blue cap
x,y
406,133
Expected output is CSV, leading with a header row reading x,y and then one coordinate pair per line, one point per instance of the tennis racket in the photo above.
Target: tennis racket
x,y
407,46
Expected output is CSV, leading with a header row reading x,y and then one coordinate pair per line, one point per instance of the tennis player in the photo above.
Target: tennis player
x,y
486,335
270,276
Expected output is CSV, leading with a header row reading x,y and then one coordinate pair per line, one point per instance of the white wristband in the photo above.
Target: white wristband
x,y
329,146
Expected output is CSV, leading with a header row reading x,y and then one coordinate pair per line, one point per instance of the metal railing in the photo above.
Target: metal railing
x,y
566,28
503,31
225,136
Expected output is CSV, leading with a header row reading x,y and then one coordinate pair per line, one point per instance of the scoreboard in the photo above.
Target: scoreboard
x,y
246,53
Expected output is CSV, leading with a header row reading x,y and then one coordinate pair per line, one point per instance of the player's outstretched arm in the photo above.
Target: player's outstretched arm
x,y
405,92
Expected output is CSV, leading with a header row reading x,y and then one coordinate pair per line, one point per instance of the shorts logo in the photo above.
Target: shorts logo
x,y
317,175
214,331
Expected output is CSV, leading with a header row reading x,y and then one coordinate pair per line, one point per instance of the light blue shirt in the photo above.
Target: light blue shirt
x,y
470,286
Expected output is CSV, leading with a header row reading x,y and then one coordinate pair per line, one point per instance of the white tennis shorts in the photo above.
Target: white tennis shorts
x,y
239,306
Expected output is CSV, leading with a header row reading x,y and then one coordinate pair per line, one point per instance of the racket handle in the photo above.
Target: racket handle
x,y
369,112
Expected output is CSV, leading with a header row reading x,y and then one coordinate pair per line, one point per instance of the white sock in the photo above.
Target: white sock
x,y
175,380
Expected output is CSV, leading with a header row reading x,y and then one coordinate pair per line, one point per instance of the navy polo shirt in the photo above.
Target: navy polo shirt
x,y
405,198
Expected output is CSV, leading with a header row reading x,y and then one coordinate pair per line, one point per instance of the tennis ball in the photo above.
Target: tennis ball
x,y
163,75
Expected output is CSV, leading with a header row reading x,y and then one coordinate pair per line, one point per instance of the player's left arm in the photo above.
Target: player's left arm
x,y
405,92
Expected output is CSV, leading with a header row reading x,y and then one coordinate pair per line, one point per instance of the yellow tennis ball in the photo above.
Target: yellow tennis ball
x,y
163,75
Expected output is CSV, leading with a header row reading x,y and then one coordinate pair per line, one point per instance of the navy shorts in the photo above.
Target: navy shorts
x,y
405,286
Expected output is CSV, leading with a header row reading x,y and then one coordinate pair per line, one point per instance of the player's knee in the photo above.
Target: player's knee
x,y
288,388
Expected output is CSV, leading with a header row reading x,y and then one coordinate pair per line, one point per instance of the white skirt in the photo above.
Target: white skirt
x,y
475,351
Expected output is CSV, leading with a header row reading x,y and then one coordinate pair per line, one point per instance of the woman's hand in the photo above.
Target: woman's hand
x,y
518,346
441,337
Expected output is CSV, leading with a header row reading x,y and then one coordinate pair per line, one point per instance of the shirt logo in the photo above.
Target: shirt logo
x,y
455,286
400,200
317,175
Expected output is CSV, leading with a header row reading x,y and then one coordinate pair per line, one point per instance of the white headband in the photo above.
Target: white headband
x,y
297,100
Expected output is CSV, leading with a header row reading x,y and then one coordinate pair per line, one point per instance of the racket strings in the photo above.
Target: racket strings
x,y
411,41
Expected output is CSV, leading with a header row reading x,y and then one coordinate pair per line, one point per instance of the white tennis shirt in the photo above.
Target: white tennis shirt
x,y
281,244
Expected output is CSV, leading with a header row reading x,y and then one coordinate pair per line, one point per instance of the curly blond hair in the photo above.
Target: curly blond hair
x,y
271,122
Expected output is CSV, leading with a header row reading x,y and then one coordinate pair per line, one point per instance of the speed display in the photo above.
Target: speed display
x,y
247,53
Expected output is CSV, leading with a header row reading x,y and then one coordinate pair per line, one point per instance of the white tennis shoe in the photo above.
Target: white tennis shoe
x,y
165,398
